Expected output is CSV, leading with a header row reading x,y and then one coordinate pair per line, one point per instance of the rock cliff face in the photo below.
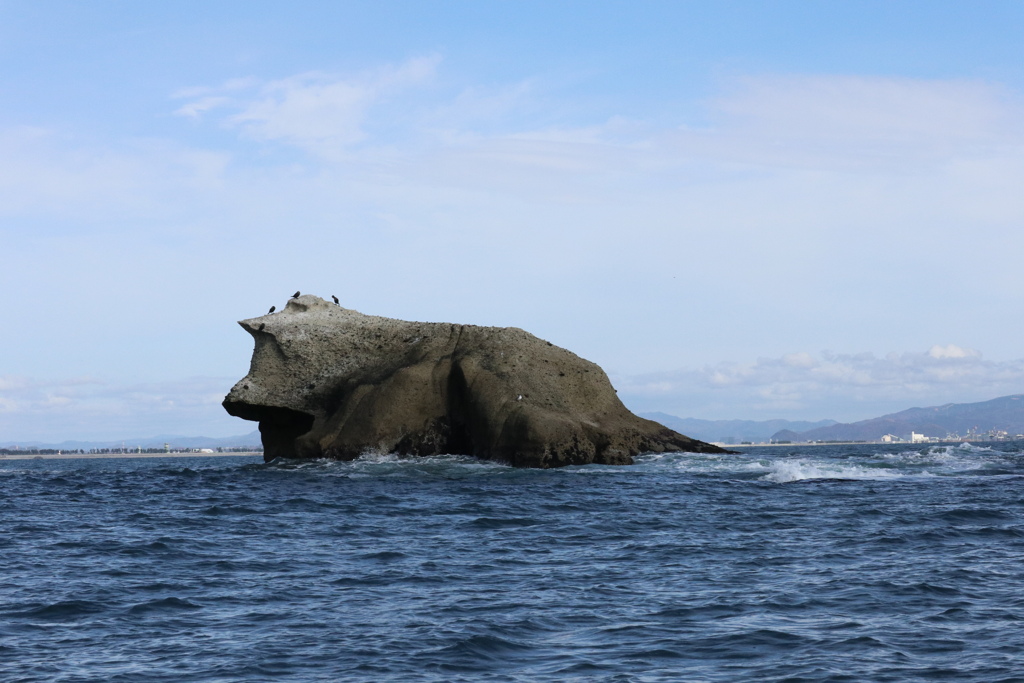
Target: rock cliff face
x,y
326,381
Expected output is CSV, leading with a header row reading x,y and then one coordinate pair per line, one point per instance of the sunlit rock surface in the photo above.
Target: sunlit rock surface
x,y
326,381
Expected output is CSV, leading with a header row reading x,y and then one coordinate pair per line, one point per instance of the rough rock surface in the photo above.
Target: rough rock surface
x,y
326,381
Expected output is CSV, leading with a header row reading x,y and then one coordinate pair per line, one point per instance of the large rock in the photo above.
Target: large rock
x,y
326,381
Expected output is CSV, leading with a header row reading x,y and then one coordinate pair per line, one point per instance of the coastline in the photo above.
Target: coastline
x,y
121,456
804,444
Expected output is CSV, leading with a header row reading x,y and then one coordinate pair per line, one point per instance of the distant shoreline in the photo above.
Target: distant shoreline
x,y
121,456
946,442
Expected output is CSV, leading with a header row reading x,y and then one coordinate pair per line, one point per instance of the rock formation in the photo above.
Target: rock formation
x,y
326,381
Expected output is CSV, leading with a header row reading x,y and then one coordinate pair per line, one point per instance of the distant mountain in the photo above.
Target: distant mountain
x,y
732,431
174,441
1000,414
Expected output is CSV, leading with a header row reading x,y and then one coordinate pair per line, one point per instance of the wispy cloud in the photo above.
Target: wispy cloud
x,y
806,152
195,108
321,113
826,121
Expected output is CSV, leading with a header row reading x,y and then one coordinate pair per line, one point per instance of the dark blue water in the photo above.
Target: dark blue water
x,y
831,563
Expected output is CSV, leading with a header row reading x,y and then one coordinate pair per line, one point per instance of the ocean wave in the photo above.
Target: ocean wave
x,y
484,648
974,515
777,470
759,465
701,462
384,556
961,459
503,522
64,610
785,471
171,604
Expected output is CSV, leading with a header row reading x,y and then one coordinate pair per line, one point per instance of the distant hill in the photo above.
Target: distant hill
x,y
732,431
175,441
1000,414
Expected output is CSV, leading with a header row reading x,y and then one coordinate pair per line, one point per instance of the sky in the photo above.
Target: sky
x,y
739,209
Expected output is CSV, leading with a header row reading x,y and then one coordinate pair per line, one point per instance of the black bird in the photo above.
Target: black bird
x,y
296,294
262,325
335,300
272,309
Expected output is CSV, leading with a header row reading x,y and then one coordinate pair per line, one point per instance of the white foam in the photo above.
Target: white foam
x,y
377,456
380,464
776,467
956,451
700,462
951,459
11,473
784,471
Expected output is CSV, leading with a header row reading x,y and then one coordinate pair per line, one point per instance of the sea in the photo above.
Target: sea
x,y
786,563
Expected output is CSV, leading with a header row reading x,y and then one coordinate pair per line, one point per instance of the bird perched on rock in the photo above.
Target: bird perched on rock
x,y
272,309
296,294
336,302
262,325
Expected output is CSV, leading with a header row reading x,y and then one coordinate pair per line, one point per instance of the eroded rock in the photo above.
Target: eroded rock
x,y
326,381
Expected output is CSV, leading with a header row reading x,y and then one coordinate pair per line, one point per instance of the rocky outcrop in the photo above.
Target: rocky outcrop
x,y
326,381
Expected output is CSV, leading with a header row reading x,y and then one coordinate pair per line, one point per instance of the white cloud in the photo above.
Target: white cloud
x,y
10,383
811,211
807,154
197,107
34,409
46,174
952,351
228,86
856,123
801,359
866,108
477,112
840,386
308,111
322,113
786,123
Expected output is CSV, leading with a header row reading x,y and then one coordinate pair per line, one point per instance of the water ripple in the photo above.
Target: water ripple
x,y
823,563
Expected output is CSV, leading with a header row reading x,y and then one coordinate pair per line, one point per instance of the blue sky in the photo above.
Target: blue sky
x,y
739,209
